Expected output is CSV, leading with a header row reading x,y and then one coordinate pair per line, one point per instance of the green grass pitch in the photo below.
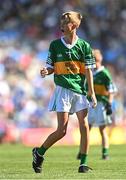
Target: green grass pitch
x,y
61,163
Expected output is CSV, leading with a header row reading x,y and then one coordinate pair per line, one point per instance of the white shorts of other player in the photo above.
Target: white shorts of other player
x,y
65,100
97,116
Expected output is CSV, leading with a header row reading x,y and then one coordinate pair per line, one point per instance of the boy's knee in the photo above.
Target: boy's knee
x,y
61,133
84,126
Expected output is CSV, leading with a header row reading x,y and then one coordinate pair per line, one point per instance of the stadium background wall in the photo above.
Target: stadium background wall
x,y
34,137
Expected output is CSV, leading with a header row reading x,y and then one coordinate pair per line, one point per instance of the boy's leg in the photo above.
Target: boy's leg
x,y
79,154
84,140
105,142
38,153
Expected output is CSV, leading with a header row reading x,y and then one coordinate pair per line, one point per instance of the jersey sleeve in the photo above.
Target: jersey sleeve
x,y
89,58
51,57
111,87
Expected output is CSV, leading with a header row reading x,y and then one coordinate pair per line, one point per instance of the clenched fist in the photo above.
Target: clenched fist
x,y
43,72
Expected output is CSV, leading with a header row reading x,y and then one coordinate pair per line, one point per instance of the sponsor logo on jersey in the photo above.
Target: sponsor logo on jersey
x,y
59,55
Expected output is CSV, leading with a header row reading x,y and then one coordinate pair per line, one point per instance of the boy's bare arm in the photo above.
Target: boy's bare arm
x,y
111,97
46,71
91,92
109,104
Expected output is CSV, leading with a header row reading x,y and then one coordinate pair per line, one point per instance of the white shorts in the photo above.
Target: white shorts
x,y
65,100
97,116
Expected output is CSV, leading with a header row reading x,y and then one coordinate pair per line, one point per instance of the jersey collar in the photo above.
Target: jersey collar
x,y
98,70
69,46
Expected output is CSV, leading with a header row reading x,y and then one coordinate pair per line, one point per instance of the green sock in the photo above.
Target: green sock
x,y
42,150
105,151
83,159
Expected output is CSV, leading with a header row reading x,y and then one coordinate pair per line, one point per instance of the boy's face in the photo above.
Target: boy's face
x,y
98,59
67,27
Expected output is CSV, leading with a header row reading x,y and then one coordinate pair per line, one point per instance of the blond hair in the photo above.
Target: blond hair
x,y
72,16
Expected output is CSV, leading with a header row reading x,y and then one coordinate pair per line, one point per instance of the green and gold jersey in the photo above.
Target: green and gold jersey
x,y
69,63
103,84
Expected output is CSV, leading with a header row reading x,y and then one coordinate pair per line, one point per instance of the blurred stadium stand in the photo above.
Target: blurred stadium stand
x,y
26,29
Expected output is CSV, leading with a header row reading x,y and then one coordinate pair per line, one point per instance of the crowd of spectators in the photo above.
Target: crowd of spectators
x,y
26,29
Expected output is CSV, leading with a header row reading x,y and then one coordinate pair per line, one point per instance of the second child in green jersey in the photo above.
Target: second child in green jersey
x,y
104,90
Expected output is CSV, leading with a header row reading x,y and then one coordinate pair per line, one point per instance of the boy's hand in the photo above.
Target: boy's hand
x,y
43,72
94,100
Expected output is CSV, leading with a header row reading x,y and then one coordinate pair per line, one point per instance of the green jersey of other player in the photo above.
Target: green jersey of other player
x,y
69,63
103,84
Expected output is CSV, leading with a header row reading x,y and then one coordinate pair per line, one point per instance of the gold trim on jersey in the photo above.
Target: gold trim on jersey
x,y
69,67
100,90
